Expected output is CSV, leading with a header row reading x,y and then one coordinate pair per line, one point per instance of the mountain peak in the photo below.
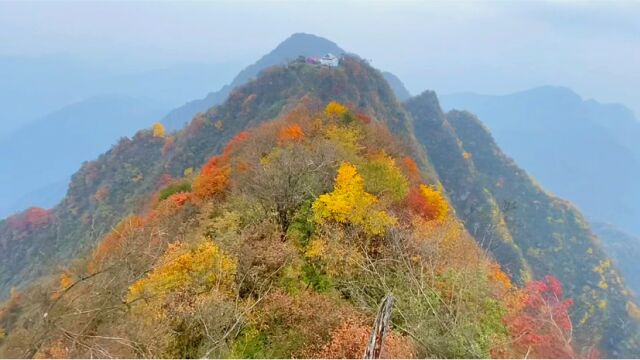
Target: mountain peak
x,y
308,43
555,94
298,44
427,105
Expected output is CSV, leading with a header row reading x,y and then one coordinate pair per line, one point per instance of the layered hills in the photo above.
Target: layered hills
x,y
122,104
232,250
571,145
527,229
59,111
46,152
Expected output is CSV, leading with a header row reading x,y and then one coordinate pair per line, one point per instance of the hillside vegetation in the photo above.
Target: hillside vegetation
x,y
530,232
104,191
570,145
274,224
283,245
299,44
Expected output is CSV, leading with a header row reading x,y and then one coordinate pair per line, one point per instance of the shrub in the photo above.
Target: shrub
x,y
199,269
213,178
175,188
428,202
335,109
348,341
383,177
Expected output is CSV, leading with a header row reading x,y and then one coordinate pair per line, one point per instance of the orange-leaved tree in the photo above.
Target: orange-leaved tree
x,y
428,202
115,241
412,168
213,178
349,340
292,132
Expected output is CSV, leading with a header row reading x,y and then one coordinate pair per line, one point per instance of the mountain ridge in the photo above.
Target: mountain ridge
x,y
577,145
501,205
120,181
260,156
298,44
148,159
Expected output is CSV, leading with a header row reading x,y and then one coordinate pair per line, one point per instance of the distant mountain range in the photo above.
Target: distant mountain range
x,y
581,150
625,251
397,86
40,158
58,112
262,254
35,87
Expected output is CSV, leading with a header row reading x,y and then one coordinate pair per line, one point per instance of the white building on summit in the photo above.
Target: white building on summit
x,y
329,60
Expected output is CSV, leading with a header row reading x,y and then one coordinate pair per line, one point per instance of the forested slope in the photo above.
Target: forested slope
x,y
342,198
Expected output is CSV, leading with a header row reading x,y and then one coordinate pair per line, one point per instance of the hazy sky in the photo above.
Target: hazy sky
x,y
486,47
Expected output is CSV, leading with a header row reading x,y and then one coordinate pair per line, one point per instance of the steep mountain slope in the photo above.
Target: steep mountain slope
x,y
474,204
299,44
619,121
52,148
283,246
121,181
624,250
105,190
571,146
529,231
397,85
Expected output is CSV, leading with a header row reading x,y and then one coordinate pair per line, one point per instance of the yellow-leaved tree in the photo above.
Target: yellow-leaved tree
x,y
199,269
350,203
335,109
158,130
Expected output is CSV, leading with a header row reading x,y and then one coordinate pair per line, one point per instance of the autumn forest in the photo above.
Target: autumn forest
x,y
279,221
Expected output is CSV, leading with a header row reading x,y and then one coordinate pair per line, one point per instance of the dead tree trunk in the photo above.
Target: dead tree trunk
x,y
380,327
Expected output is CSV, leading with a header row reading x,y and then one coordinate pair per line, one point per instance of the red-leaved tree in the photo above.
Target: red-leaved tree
x,y
539,323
